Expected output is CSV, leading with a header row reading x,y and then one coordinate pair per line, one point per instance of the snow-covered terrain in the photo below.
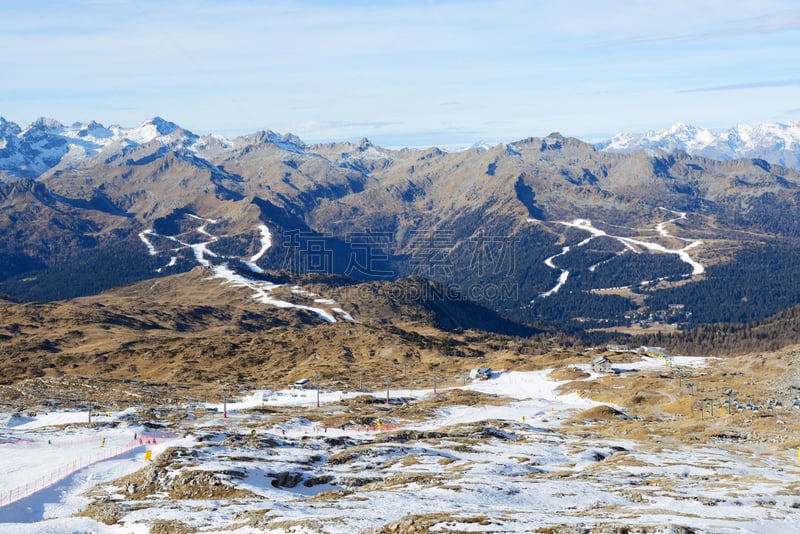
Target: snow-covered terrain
x,y
777,143
506,467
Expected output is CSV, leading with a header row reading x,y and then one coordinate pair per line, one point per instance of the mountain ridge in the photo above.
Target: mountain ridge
x,y
543,230
776,143
46,144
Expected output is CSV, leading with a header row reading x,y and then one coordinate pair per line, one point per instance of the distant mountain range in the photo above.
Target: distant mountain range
x,y
46,143
776,143
544,231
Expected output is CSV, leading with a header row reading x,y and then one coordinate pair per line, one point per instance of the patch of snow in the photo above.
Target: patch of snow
x,y
346,316
150,248
481,146
262,292
266,243
253,267
200,251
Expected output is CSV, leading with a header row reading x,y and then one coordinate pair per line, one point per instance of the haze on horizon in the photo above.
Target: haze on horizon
x,y
403,73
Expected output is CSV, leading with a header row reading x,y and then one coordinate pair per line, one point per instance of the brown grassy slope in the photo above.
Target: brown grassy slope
x,y
661,405
203,337
196,331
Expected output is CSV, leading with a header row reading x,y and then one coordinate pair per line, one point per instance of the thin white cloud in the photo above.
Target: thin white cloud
x,y
313,126
791,82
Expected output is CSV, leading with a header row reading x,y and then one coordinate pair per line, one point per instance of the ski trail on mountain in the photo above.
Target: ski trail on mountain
x,y
262,289
562,278
630,244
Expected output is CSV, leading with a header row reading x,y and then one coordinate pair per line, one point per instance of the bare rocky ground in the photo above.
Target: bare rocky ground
x,y
654,462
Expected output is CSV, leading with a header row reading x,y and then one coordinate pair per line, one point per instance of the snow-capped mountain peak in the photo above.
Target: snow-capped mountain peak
x,y
90,130
46,142
44,124
155,128
777,143
288,142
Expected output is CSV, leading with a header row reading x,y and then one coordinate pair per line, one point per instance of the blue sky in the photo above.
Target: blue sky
x,y
403,73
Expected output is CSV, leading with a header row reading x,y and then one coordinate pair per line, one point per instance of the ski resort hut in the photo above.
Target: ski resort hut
x,y
601,365
300,384
480,373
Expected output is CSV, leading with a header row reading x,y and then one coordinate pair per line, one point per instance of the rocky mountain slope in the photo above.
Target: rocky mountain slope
x,y
543,231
